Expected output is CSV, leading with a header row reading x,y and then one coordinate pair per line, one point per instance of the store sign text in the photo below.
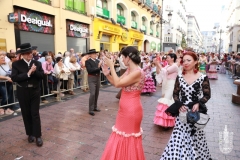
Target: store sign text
x,y
78,29
36,21
113,29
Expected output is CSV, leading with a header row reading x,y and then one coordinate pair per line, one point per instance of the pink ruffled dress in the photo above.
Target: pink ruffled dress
x,y
149,86
125,142
167,76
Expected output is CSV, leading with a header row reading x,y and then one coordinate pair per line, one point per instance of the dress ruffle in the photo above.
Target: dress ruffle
x,y
161,118
121,147
149,85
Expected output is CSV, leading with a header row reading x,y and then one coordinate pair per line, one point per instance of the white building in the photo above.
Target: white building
x,y
209,41
232,12
174,32
194,36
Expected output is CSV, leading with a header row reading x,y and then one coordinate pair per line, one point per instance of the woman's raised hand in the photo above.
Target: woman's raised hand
x,y
108,61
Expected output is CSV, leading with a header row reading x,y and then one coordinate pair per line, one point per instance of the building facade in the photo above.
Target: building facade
x,y
120,23
232,12
54,25
209,41
176,30
194,36
57,25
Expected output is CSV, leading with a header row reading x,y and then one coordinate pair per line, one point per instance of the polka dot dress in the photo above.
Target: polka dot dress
x,y
183,146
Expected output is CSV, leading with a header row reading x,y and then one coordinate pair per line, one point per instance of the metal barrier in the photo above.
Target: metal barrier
x,y
47,88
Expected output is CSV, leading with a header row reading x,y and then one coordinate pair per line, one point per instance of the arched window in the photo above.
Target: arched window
x,y
151,28
133,16
120,10
144,25
102,4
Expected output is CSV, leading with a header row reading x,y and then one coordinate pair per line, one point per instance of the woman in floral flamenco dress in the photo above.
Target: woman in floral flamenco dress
x,y
202,63
168,74
213,62
125,142
149,86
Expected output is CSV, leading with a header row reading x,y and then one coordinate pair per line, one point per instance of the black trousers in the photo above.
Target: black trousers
x,y
29,100
94,85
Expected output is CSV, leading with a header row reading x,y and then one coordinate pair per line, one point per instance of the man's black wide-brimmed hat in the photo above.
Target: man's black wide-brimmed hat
x,y
25,48
91,51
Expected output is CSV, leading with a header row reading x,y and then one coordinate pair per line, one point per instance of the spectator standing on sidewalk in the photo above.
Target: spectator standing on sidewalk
x,y
84,72
28,73
6,86
43,84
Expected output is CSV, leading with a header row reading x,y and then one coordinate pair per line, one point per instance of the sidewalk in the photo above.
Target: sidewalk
x,y
70,133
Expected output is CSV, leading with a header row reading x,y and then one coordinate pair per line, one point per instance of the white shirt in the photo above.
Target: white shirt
x,y
28,63
122,65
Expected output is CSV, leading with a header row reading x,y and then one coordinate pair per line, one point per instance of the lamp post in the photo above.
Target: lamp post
x,y
161,22
220,41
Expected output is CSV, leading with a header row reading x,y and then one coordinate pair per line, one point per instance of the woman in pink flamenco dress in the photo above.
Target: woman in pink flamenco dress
x,y
149,86
213,62
125,141
168,76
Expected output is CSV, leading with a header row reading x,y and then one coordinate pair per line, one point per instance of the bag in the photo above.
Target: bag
x,y
192,117
199,120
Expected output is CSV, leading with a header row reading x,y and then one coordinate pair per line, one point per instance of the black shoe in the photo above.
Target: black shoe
x,y
39,141
92,113
97,110
30,139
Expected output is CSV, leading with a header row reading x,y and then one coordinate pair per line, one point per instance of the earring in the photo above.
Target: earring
x,y
183,72
195,70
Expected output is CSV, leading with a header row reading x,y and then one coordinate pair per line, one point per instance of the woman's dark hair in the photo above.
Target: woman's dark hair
x,y
44,54
132,53
58,59
173,55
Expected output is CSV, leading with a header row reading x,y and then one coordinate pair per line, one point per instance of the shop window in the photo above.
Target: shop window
x,y
76,6
45,1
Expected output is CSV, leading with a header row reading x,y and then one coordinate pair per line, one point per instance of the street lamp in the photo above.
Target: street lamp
x,y
161,22
220,41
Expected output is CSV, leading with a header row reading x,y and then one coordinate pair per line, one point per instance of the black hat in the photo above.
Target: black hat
x,y
25,48
92,51
34,47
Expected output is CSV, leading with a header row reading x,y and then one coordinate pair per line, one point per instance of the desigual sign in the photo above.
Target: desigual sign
x,y
31,21
37,20
77,29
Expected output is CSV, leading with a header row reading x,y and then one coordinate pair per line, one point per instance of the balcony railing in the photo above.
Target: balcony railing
x,y
134,25
101,12
150,6
75,6
45,1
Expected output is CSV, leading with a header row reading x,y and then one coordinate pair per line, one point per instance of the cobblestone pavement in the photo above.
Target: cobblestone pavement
x,y
69,132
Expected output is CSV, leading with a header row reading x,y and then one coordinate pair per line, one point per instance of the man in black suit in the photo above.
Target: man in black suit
x,y
93,66
28,73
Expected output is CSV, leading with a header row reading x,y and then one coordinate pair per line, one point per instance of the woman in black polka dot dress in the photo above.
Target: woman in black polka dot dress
x,y
190,86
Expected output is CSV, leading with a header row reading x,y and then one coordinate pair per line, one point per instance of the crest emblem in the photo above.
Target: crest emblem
x,y
225,141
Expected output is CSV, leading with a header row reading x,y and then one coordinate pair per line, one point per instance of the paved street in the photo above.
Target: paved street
x,y
69,132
